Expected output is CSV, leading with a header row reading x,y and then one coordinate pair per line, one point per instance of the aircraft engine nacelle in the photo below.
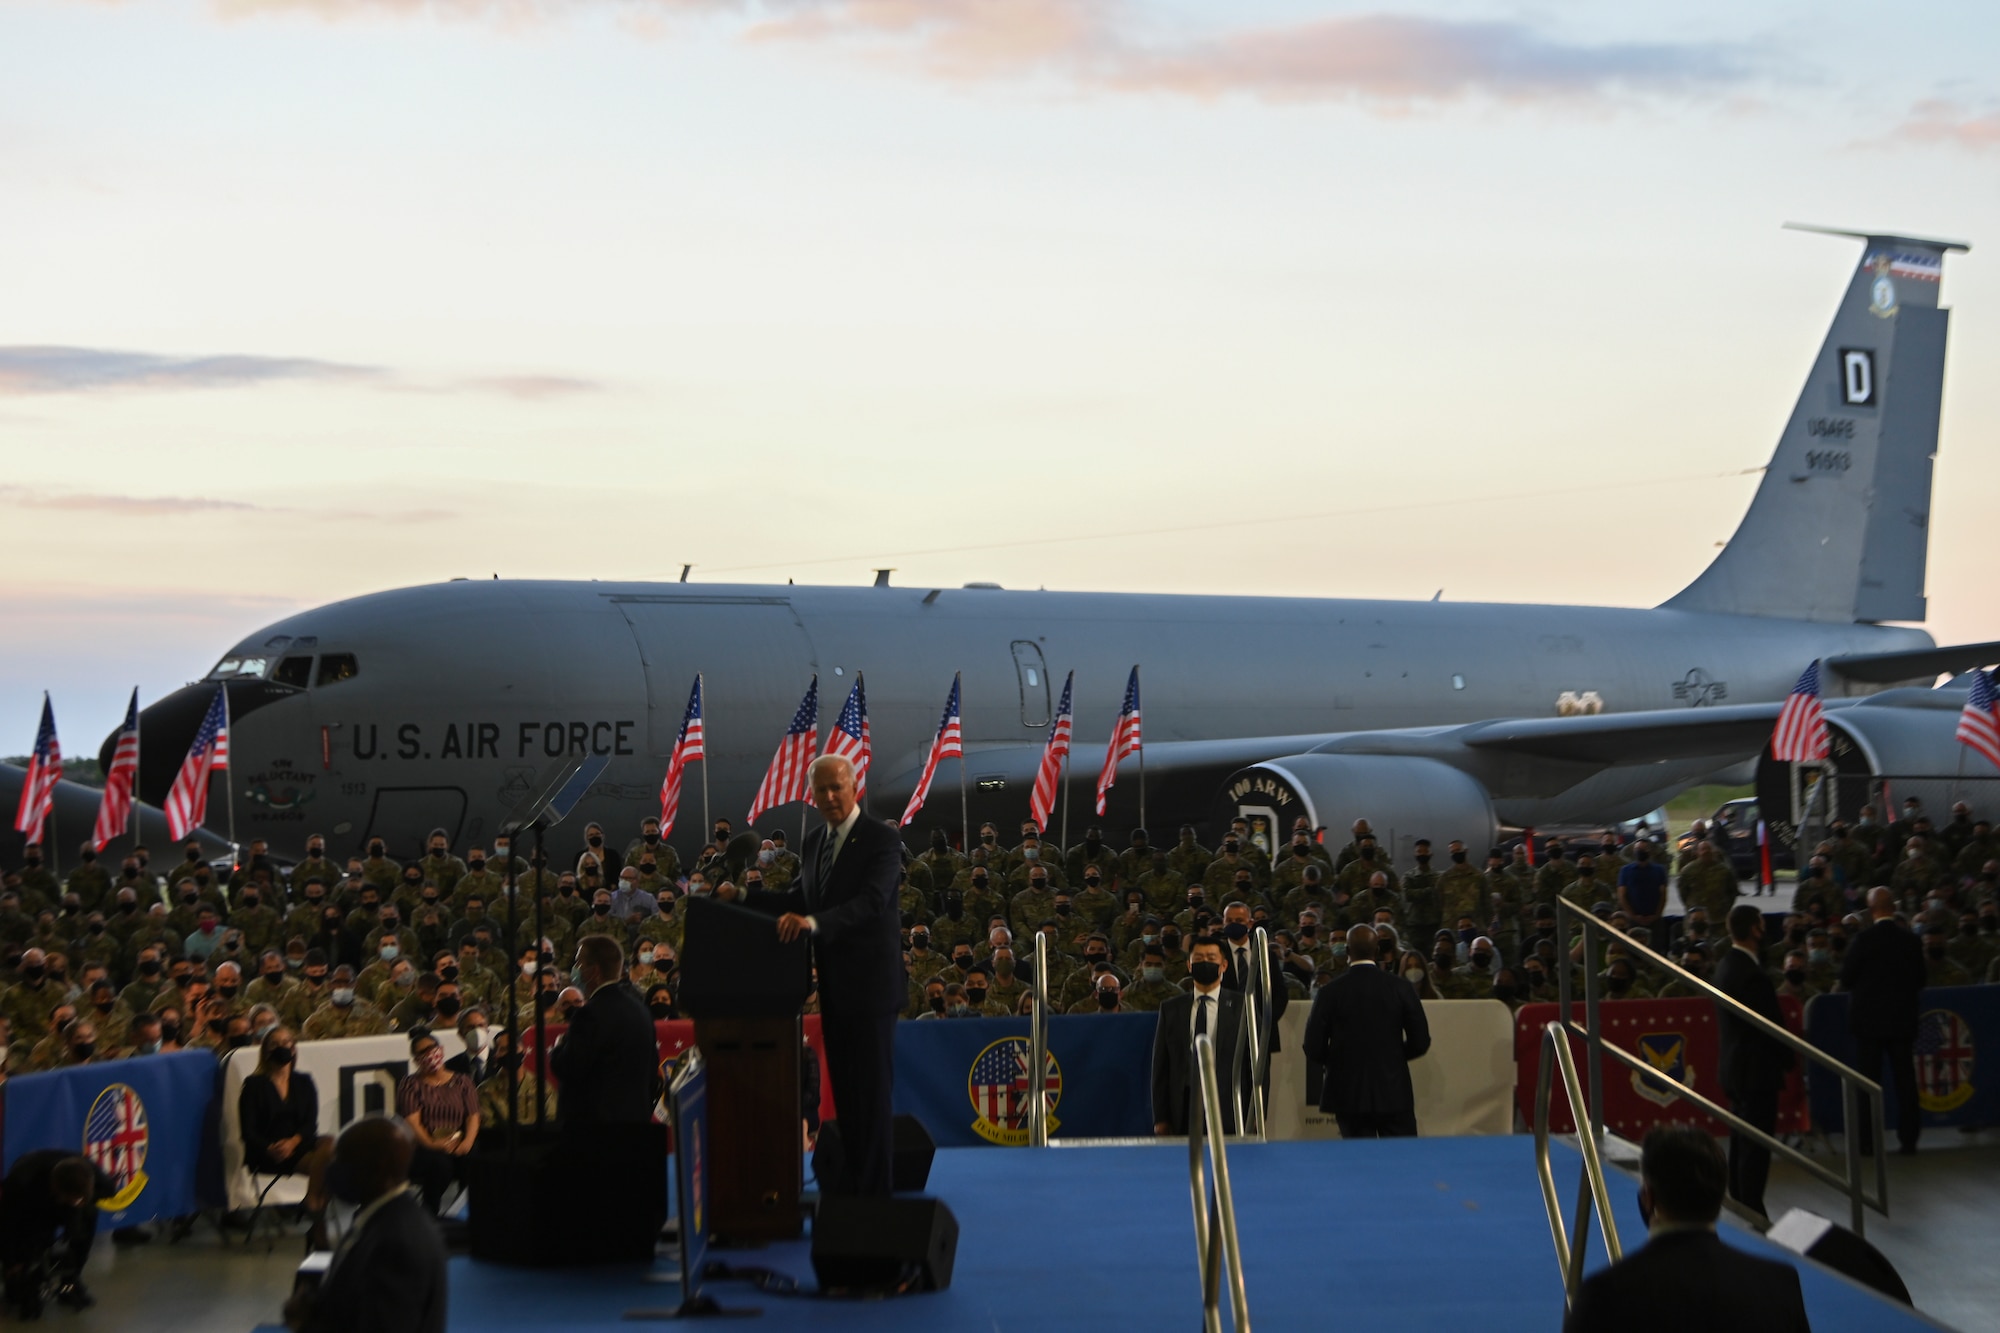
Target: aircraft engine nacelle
x,y
1403,798
1900,744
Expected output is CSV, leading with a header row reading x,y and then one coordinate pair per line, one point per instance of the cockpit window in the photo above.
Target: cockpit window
x,y
294,671
240,668
336,667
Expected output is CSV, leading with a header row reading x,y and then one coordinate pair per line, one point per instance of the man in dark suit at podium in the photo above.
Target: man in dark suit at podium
x,y
844,900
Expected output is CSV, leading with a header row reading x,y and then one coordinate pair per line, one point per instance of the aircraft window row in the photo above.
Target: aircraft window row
x,y
296,672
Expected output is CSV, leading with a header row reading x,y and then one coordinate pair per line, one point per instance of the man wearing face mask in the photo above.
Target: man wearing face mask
x,y
650,846
1365,1027
378,869
89,881
31,1001
344,1014
1209,1008
1033,904
1094,902
1150,989
1940,968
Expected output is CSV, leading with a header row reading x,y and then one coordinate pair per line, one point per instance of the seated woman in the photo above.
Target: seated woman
x,y
278,1110
442,1108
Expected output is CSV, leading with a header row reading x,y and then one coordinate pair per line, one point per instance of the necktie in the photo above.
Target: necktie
x,y
1242,966
1200,1014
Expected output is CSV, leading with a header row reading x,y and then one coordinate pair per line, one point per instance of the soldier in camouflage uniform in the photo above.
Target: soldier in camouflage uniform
x,y
344,1014
1916,874
1033,904
256,919
1151,989
1310,895
1189,859
1303,852
943,863
438,865
979,994
1422,900
1373,895
1094,902
1461,891
271,984
90,882
32,1000
1367,862
1940,968
1092,852
1708,882
1585,890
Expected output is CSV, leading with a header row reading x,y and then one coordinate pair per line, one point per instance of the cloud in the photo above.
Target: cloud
x,y
1389,62
27,497
30,370
1938,121
1394,61
51,370
532,387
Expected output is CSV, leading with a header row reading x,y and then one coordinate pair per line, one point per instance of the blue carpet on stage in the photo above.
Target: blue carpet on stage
x,y
1410,1233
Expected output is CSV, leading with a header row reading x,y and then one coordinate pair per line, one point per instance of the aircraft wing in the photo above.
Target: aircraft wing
x,y
1914,664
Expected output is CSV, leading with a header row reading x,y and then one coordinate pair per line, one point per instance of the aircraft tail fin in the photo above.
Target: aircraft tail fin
x,y
1838,529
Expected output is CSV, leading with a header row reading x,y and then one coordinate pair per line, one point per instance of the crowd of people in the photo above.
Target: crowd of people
x,y
105,963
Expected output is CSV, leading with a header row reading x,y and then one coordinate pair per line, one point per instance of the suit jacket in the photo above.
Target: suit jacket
x,y
1235,978
1751,1061
1690,1279
858,948
1884,969
462,1064
1173,1058
609,1060
1366,1025
391,1280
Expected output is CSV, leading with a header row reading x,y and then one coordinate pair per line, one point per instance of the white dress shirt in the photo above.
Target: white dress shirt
x,y
838,834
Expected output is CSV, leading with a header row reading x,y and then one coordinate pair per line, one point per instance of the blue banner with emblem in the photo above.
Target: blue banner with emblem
x,y
968,1080
141,1120
1957,1056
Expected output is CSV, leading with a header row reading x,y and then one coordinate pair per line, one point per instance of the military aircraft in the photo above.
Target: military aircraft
x,y
437,706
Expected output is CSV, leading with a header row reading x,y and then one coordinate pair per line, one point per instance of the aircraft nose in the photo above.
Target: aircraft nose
x,y
167,727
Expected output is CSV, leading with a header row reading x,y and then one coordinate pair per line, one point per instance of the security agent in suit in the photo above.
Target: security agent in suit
x,y
1685,1276
1753,1063
1366,1025
388,1274
1212,1008
844,899
1884,970
1239,938
608,1062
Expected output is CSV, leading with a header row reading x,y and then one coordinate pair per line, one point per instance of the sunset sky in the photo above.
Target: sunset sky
x,y
306,299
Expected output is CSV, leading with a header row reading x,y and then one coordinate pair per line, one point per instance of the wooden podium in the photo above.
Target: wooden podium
x,y
744,989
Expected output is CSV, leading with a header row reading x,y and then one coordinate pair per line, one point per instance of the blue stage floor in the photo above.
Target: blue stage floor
x,y
1396,1234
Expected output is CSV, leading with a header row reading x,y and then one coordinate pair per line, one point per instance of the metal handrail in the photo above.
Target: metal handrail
x,y
1256,1004
1593,1188
1853,1083
1038,1049
1215,1237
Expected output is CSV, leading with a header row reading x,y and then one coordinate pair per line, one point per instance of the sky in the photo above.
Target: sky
x,y
308,298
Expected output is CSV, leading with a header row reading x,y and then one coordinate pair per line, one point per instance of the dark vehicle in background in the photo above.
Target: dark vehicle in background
x,y
1738,819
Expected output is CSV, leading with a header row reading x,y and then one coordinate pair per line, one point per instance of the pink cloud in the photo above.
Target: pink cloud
x,y
1944,122
1388,61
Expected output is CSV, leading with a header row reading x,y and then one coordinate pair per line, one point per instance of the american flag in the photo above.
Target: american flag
x,y
114,810
115,1135
1042,800
1000,1084
786,779
38,788
187,802
688,745
943,746
1909,264
1800,736
1979,723
849,736
1124,739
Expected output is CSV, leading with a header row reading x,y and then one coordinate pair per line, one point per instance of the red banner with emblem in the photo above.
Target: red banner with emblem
x,y
677,1034
1678,1037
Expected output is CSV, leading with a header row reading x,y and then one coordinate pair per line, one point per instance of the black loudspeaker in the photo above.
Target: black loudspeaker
x,y
908,1173
1834,1246
872,1244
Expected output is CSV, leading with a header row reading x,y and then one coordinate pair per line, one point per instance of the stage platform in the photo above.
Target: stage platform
x,y
1395,1234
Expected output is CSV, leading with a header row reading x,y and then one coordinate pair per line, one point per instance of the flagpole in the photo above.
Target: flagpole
x,y
229,783
49,839
138,757
1142,761
1065,790
701,693
964,800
